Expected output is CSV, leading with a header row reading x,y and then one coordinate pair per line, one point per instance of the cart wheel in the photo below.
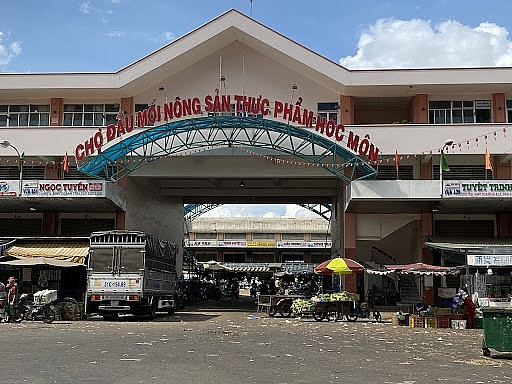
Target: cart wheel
x,y
49,316
331,314
285,309
351,317
318,316
486,352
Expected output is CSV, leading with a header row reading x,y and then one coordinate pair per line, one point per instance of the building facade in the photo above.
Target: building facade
x,y
407,159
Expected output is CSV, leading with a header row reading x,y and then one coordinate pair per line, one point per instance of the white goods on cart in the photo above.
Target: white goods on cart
x,y
45,296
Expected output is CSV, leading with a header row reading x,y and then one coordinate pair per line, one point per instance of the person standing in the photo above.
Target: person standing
x,y
470,308
12,295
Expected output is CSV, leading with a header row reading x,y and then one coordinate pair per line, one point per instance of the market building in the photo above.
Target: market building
x,y
412,163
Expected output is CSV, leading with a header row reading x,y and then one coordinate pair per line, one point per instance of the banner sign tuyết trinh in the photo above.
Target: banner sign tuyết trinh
x,y
477,188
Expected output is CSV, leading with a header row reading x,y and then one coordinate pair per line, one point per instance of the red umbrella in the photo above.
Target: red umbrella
x,y
354,266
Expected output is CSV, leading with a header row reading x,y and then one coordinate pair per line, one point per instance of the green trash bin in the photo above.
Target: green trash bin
x,y
497,324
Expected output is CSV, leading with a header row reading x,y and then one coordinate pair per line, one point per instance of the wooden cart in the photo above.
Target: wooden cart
x,y
273,304
332,310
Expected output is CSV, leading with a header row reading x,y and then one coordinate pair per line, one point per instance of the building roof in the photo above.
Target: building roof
x,y
233,26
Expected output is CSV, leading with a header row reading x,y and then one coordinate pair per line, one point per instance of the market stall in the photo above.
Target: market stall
x,y
48,265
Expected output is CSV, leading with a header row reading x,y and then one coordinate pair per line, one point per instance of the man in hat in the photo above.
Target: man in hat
x,y
421,307
12,295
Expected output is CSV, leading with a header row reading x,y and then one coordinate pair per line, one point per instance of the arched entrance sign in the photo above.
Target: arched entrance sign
x,y
181,136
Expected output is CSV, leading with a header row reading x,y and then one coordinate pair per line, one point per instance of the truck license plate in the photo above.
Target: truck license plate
x,y
114,303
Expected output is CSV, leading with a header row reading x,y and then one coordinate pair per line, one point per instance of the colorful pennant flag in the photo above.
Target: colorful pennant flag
x,y
488,164
397,163
444,163
65,163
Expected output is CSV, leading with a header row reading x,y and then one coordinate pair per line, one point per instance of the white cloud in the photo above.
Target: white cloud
x,y
298,212
261,210
117,34
169,36
391,43
85,7
8,51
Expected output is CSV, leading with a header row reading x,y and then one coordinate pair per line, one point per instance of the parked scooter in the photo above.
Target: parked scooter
x,y
28,310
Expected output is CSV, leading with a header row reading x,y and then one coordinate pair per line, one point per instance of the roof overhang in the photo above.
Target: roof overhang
x,y
488,246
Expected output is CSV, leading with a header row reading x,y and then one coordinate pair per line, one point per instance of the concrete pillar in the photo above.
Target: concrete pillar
x,y
420,109
162,216
499,108
346,110
50,223
350,235
337,221
427,255
57,112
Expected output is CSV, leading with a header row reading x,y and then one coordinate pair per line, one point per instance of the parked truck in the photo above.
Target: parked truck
x,y
130,272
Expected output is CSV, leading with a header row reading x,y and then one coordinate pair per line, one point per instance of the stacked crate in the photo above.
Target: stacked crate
x,y
430,321
443,321
416,322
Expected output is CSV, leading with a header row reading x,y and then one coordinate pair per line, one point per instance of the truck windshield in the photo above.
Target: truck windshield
x,y
100,259
131,260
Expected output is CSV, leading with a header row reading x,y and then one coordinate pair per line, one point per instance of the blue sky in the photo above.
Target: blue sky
x,y
107,35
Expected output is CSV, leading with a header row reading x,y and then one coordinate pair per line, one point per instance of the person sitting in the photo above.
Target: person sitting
x,y
421,307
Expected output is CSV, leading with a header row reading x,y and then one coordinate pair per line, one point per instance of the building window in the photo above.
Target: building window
x,y
235,236
25,115
329,111
140,108
206,236
509,112
293,236
90,115
263,236
460,112
320,237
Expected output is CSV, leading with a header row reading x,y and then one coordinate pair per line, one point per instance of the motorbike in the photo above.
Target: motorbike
x,y
28,310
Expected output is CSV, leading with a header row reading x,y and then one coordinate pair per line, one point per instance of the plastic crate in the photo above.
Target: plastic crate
x,y
443,321
459,324
430,321
416,322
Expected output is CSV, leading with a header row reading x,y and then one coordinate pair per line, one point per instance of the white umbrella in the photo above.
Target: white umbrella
x,y
213,265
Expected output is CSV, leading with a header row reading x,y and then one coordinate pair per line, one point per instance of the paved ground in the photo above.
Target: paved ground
x,y
227,342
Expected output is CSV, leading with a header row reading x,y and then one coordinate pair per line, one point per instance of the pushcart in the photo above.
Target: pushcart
x,y
332,310
273,304
497,324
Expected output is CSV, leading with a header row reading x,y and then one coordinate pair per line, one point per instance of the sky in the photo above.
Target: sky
x,y
107,35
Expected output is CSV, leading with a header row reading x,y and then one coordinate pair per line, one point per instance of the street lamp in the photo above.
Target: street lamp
x,y
6,144
447,143
162,89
